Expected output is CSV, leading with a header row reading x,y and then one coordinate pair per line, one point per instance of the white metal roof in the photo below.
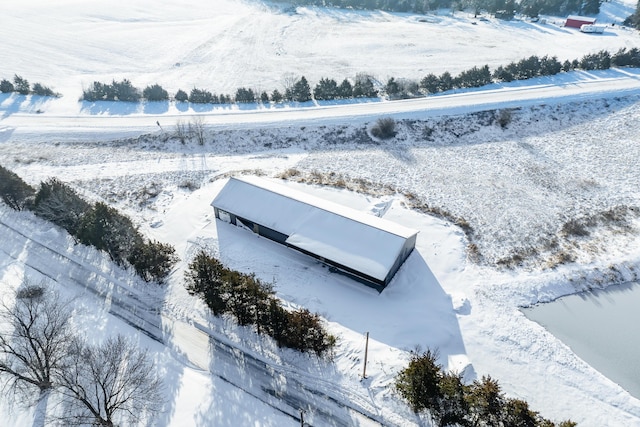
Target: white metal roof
x,y
335,232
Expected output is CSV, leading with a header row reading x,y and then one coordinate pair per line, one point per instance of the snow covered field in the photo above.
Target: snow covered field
x,y
570,152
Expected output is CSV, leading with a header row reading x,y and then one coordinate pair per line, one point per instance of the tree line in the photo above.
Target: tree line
x,y
252,302
93,224
525,7
448,401
23,87
365,86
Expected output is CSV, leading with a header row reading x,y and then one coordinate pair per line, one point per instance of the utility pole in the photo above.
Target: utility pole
x,y
366,352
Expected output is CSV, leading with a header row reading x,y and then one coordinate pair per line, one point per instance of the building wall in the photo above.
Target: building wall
x,y
576,23
335,266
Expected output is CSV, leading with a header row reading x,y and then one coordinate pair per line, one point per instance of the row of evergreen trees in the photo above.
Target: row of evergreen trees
x,y
94,224
444,397
328,89
526,7
23,87
252,302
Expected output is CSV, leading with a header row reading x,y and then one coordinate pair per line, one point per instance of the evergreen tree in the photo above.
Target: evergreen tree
x,y
419,382
392,88
60,204
326,89
264,97
345,90
430,83
21,85
6,86
301,91
200,96
244,95
364,88
155,93
181,96
16,193
276,96
107,229
152,260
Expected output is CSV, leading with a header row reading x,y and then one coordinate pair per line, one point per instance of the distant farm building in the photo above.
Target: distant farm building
x,y
364,247
574,21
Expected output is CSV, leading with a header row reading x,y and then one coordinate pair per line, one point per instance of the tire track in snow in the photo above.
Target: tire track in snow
x,y
320,399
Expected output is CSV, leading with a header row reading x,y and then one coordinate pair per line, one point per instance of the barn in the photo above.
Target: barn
x,y
575,21
362,246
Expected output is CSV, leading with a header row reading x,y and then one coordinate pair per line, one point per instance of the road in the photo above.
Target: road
x,y
580,86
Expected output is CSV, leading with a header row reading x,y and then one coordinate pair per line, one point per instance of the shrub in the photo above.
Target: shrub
x,y
39,89
474,77
155,93
181,96
125,91
152,260
16,193
419,382
326,89
384,128
276,96
253,302
60,204
426,388
504,118
244,95
345,90
430,83
21,85
107,229
200,96
364,87
205,279
6,86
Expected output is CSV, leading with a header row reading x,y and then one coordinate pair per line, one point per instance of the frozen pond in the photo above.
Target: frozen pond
x,y
602,328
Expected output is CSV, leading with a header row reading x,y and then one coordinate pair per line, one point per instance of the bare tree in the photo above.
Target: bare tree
x,y
197,128
108,384
34,335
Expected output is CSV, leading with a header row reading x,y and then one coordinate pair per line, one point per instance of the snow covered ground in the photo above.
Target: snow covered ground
x,y
569,152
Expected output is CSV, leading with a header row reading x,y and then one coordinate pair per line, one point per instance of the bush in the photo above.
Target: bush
x,y
364,87
181,96
276,96
200,96
345,90
6,86
253,302
326,89
244,95
155,93
16,193
419,382
116,91
384,128
426,388
152,260
474,77
108,230
125,91
60,204
21,85
39,89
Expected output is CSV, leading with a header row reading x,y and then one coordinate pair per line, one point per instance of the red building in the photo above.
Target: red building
x,y
574,21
